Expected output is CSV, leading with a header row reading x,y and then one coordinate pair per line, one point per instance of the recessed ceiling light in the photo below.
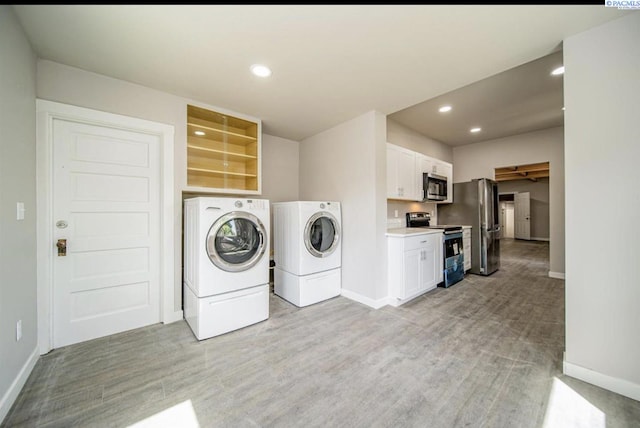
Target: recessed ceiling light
x,y
200,133
260,70
476,129
558,71
444,109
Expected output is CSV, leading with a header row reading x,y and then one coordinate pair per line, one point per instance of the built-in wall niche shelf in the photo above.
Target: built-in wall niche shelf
x,y
223,152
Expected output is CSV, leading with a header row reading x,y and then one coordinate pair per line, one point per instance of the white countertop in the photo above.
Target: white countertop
x,y
410,231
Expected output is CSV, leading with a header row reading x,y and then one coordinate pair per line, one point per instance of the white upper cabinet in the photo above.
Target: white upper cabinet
x,y
445,169
404,173
423,164
401,183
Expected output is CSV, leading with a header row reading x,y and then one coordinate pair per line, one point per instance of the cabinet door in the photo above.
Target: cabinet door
x,y
392,172
428,271
400,173
440,167
413,260
439,242
423,164
406,175
446,170
431,265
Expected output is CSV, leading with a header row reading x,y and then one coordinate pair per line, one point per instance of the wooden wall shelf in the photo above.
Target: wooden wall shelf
x,y
223,152
217,172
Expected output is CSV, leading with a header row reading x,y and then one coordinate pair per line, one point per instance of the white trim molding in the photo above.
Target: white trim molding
x,y
46,112
614,384
539,239
556,275
375,304
18,383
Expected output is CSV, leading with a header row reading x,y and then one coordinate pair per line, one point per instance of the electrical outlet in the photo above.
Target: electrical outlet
x,y
18,330
395,213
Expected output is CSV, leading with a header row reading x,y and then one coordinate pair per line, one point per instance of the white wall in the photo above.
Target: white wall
x,y
17,184
280,171
347,163
400,135
403,207
64,84
602,149
280,164
479,160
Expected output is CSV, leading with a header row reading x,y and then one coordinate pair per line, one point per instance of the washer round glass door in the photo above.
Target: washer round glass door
x,y
235,242
321,234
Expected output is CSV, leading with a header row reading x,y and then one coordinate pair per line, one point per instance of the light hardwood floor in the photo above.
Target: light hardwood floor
x,y
486,352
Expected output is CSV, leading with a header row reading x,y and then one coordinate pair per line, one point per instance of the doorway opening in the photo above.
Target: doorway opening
x,y
506,201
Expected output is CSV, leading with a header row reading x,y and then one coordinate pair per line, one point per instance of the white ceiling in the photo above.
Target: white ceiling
x,y
330,63
523,99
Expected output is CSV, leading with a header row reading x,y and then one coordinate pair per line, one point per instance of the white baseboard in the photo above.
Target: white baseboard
x,y
556,275
540,239
16,386
617,385
375,304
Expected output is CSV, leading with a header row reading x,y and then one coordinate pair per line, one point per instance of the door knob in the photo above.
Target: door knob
x,y
62,247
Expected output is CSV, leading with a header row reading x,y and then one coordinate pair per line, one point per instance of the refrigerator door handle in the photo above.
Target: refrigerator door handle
x,y
483,255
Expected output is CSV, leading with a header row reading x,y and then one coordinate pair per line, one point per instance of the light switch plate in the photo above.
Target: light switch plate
x,y
20,211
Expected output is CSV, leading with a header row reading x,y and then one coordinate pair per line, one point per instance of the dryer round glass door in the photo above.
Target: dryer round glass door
x,y
322,234
236,241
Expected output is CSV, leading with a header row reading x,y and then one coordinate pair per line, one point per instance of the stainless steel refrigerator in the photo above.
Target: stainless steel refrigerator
x,y
475,203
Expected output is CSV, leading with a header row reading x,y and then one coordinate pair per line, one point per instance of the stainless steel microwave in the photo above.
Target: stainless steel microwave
x,y
434,187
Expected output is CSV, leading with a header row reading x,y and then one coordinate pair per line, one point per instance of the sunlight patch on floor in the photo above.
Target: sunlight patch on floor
x,y
181,415
568,409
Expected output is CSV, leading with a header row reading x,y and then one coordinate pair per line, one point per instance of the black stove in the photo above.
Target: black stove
x,y
418,219
423,219
453,253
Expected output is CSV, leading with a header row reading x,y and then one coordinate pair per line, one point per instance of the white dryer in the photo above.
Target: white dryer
x,y
226,264
307,251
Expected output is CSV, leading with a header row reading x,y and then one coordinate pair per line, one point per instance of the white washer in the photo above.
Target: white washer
x,y
226,264
307,251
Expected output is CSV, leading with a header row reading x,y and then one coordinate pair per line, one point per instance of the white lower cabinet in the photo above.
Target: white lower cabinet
x,y
415,265
466,247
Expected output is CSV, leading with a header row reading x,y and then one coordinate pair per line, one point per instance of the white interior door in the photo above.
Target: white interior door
x,y
508,220
522,215
503,220
106,205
